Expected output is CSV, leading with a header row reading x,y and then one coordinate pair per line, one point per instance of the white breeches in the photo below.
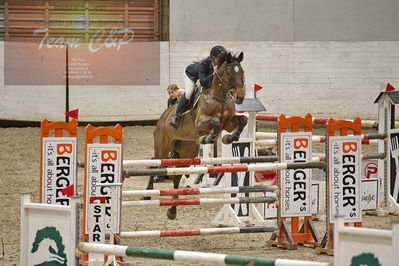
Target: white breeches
x,y
189,85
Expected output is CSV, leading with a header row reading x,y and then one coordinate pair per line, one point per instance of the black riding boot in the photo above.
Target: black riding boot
x,y
181,106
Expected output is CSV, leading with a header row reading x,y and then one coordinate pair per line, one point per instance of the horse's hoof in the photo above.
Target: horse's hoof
x,y
171,215
226,140
146,198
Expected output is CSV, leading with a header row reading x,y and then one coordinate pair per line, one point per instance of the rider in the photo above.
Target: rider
x,y
203,71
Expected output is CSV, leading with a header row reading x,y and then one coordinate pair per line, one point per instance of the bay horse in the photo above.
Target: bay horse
x,y
215,111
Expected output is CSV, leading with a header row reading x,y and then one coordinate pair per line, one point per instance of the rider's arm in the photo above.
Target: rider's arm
x,y
205,74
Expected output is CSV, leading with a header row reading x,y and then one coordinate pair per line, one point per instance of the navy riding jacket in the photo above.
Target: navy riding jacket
x,y
201,71
172,102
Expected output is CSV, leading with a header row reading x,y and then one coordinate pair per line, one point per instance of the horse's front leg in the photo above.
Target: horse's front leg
x,y
215,125
172,211
235,126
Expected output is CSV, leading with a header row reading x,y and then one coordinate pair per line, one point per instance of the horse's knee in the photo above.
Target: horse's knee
x,y
242,120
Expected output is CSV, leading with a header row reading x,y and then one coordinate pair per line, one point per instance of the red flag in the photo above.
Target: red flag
x,y
73,113
389,88
101,199
257,87
68,191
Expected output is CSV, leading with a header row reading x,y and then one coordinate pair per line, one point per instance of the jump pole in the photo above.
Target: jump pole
x,y
315,139
188,256
220,160
198,191
224,169
199,201
323,121
197,232
198,161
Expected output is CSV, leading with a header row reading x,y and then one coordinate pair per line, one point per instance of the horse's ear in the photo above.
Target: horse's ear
x,y
240,57
229,56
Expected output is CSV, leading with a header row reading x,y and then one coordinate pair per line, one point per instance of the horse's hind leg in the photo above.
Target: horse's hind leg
x,y
236,126
161,149
182,149
150,186
171,213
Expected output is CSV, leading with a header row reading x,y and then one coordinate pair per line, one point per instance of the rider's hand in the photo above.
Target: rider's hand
x,y
215,69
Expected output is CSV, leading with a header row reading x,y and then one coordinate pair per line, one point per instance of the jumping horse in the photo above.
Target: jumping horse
x,y
215,111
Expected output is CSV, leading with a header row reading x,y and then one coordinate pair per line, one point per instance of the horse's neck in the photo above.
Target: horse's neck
x,y
216,89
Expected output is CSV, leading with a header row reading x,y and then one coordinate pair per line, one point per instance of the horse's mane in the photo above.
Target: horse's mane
x,y
229,58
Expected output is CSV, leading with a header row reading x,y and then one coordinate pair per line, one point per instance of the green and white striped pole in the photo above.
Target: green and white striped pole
x,y
188,256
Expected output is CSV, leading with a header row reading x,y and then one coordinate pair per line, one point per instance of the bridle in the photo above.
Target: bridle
x,y
231,87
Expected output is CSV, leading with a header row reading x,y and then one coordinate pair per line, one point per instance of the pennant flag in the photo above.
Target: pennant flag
x,y
101,199
68,191
257,87
389,88
73,113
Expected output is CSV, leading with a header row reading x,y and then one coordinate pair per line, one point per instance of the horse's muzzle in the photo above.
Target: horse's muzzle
x,y
239,100
239,94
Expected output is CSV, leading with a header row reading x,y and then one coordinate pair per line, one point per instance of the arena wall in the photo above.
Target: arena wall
x,y
339,79
284,20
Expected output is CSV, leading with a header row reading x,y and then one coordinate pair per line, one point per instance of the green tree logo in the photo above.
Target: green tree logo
x,y
365,259
48,249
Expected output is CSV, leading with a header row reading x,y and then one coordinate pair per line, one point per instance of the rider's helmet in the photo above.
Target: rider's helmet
x,y
218,51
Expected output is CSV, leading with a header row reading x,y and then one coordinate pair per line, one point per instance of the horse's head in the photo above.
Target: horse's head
x,y
232,76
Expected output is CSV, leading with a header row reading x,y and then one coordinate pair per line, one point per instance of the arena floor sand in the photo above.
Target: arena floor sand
x,y
19,172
